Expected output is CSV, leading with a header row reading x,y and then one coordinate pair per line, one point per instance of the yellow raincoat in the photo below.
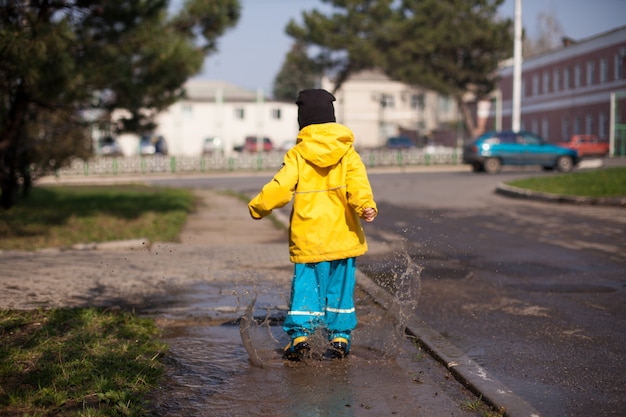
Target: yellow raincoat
x,y
328,182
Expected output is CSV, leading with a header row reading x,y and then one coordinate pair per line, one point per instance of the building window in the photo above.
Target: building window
x,y
589,124
535,85
565,128
577,75
576,130
239,113
566,78
555,80
523,88
444,104
417,101
187,110
602,125
534,126
619,65
604,70
387,101
546,83
591,72
276,114
545,128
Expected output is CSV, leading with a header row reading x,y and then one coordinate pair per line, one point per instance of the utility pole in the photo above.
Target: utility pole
x,y
517,68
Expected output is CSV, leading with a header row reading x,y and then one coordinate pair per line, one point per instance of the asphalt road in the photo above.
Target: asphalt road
x,y
534,292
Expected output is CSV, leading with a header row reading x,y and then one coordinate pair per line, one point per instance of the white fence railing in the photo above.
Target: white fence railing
x,y
242,162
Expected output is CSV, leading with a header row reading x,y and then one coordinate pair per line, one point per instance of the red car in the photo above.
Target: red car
x,y
250,145
588,145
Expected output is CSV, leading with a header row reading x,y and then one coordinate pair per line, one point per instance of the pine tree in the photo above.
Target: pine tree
x,y
64,63
297,73
452,47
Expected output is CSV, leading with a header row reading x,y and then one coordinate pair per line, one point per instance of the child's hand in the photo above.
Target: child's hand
x,y
369,214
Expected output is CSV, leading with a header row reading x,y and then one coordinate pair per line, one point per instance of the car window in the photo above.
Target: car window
x,y
531,139
507,137
494,140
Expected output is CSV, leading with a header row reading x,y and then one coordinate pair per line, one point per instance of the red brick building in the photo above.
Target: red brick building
x,y
567,90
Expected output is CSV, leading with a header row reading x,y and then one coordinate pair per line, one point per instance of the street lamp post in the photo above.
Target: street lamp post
x,y
517,68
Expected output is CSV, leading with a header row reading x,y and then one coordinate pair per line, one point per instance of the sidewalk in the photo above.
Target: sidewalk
x,y
225,251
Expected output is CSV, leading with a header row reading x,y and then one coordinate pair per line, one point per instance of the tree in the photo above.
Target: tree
x,y
350,40
450,46
549,36
297,73
61,60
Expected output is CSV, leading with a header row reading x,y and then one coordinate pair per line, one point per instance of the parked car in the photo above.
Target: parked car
x,y
151,145
286,145
492,150
251,143
108,146
400,142
588,145
212,145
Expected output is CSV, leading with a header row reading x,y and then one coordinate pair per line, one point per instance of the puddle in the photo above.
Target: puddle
x,y
225,359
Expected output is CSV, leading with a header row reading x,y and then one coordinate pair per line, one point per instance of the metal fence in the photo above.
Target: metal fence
x,y
160,164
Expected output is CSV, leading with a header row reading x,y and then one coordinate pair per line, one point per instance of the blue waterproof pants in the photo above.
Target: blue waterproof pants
x,y
322,295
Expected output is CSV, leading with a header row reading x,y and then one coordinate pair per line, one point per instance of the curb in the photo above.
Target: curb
x,y
516,192
130,244
465,370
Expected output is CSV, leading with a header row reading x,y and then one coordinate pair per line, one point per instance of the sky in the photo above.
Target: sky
x,y
252,53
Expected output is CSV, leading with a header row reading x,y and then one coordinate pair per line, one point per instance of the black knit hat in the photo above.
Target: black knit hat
x,y
315,106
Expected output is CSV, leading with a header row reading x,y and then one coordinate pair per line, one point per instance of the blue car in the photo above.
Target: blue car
x,y
493,150
400,142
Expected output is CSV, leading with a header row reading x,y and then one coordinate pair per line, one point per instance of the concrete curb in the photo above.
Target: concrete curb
x,y
465,370
516,192
130,244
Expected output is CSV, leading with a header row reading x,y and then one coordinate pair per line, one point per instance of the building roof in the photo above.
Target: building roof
x,y
572,49
369,75
210,90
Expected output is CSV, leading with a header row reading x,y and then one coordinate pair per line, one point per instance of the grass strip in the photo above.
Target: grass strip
x,y
61,216
77,362
607,182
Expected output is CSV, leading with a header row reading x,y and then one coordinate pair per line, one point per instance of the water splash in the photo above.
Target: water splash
x,y
402,280
382,334
246,325
258,324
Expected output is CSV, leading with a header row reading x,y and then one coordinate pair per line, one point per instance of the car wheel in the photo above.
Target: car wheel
x,y
493,165
564,164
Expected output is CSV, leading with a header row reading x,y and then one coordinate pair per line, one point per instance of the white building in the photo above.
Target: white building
x,y
371,104
376,108
219,109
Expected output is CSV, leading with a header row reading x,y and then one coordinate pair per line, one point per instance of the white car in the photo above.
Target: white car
x,y
212,145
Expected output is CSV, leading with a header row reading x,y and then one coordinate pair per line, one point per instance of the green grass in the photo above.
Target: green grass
x,y
77,362
83,362
63,216
608,182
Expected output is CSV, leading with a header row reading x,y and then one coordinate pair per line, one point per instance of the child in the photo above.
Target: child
x,y
328,182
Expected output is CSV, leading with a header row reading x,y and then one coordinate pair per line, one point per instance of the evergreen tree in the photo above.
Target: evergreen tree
x,y
66,62
298,72
449,46
351,39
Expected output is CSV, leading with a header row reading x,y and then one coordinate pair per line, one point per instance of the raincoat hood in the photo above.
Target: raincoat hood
x,y
324,144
